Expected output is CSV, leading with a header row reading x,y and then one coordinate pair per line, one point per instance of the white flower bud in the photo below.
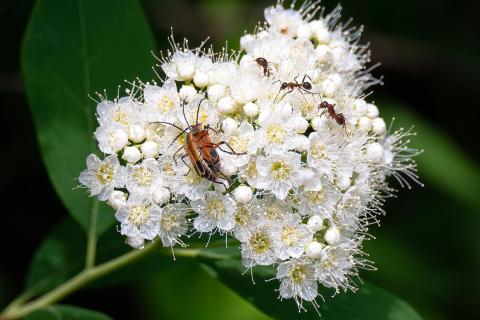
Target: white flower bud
x,y
322,35
332,236
330,84
250,109
379,127
322,51
301,143
229,125
136,242
185,70
136,133
227,169
201,79
343,182
318,123
243,194
364,124
117,199
226,105
314,250
187,93
300,124
374,152
161,195
304,31
215,92
245,40
315,223
149,149
360,106
372,111
131,154
120,139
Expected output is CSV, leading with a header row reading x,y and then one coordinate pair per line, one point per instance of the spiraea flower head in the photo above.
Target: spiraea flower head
x,y
275,145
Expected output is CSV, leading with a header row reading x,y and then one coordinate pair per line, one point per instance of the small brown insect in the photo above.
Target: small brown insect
x,y
267,71
200,149
304,86
338,117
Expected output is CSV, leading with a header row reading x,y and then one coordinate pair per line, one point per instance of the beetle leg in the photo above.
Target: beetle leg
x,y
232,151
183,160
175,153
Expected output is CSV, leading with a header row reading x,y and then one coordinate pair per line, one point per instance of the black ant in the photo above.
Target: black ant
x,y
305,86
267,71
338,117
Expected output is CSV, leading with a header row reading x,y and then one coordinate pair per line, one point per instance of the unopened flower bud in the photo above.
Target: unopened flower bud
x,y
315,223
226,105
374,152
250,109
215,92
343,182
360,106
304,31
372,111
332,236
314,249
322,35
379,127
136,133
201,79
186,70
161,195
117,199
243,194
229,125
136,242
131,154
187,93
227,168
149,149
301,125
364,124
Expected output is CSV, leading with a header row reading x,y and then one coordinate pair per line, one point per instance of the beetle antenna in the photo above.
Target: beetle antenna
x,y
184,116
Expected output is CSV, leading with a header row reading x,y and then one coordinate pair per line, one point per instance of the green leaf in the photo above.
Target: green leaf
x,y
443,164
71,49
370,302
65,312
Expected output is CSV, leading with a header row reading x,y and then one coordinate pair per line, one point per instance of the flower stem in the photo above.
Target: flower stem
x,y
15,310
92,237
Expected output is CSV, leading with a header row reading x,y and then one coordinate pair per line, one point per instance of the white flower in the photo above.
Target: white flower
x,y
143,177
284,21
280,172
292,236
297,280
101,177
139,218
164,101
245,221
259,248
122,112
173,224
215,212
111,138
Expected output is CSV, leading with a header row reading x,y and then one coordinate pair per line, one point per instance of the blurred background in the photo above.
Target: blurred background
x,y
428,247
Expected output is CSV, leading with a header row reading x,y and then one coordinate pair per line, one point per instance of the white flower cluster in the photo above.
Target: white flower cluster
x,y
274,145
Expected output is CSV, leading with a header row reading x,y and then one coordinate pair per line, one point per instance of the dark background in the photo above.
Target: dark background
x,y
427,247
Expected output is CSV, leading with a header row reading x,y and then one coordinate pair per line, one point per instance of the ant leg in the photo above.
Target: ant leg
x,y
274,100
291,90
183,160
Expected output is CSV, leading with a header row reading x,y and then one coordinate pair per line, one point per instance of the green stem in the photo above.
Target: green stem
x,y
92,237
16,310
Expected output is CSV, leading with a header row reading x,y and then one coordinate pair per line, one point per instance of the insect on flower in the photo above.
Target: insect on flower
x,y
304,86
267,71
200,149
338,117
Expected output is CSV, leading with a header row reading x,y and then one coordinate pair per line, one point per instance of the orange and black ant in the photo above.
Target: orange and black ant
x,y
304,86
200,149
267,71
338,117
